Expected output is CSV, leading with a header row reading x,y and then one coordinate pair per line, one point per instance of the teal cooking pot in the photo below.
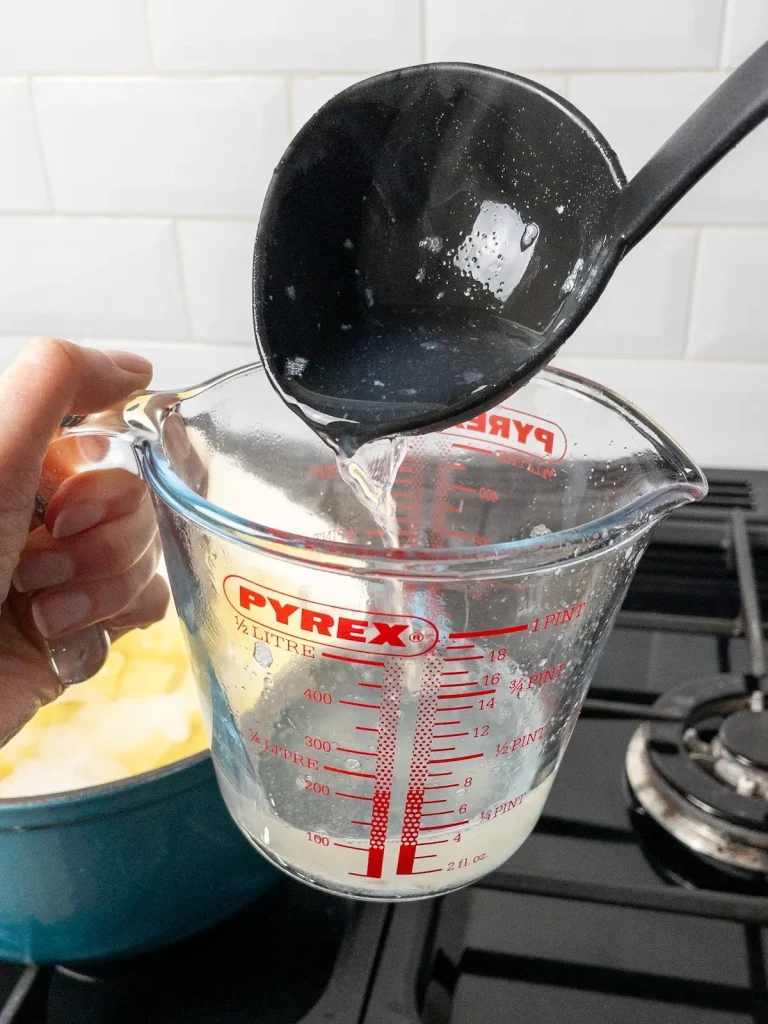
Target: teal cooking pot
x,y
122,868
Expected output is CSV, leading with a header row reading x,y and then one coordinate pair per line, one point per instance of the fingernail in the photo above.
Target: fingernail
x,y
59,612
42,569
77,518
131,362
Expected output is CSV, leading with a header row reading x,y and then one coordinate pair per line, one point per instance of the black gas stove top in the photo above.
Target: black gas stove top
x,y
603,914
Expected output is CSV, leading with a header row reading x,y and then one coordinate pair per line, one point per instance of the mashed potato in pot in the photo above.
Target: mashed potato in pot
x,y
138,713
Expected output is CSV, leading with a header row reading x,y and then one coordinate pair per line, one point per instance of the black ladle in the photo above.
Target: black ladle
x,y
433,235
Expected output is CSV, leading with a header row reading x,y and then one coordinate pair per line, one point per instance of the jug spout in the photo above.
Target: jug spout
x,y
665,475
685,483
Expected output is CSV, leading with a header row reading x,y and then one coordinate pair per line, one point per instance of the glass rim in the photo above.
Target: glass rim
x,y
502,558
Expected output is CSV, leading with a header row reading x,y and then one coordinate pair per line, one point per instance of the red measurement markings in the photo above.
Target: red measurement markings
x,y
456,696
446,824
451,760
354,796
385,765
440,504
458,672
413,467
371,686
359,704
353,661
473,448
452,508
346,771
460,647
466,657
461,487
459,707
367,728
465,682
422,741
448,735
362,753
445,785
489,632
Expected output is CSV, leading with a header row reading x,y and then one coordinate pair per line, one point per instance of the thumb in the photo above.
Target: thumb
x,y
50,379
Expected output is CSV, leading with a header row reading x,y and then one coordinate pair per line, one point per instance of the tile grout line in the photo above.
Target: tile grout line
x,y
128,215
252,217
292,126
182,279
40,149
726,20
148,34
563,359
181,344
688,353
156,73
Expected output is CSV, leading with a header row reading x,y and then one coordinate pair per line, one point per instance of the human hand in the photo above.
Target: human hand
x,y
95,559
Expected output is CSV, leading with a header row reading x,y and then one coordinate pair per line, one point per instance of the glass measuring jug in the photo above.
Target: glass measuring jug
x,y
388,723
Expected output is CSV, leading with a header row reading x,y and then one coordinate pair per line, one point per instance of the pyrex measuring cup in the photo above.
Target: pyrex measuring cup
x,y
388,723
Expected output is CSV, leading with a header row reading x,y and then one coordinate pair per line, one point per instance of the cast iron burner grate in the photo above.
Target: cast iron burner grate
x,y
698,767
602,915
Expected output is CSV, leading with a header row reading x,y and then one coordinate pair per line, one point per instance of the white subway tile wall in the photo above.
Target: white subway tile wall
x,y
97,275
307,35
176,147
647,302
22,182
216,258
518,34
728,320
73,36
137,138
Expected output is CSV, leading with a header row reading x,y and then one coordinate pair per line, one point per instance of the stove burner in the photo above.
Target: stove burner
x,y
702,776
745,735
740,752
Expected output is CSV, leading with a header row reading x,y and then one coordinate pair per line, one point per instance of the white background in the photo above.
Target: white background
x,y
137,138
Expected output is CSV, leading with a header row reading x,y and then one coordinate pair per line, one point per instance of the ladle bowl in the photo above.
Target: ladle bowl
x,y
434,234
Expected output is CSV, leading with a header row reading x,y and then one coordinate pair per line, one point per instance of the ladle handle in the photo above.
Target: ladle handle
x,y
733,110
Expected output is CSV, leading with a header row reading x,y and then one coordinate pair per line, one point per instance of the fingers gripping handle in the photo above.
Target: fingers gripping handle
x,y
145,416
80,655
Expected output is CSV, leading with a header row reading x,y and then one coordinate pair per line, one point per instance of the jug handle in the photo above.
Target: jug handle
x,y
80,655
